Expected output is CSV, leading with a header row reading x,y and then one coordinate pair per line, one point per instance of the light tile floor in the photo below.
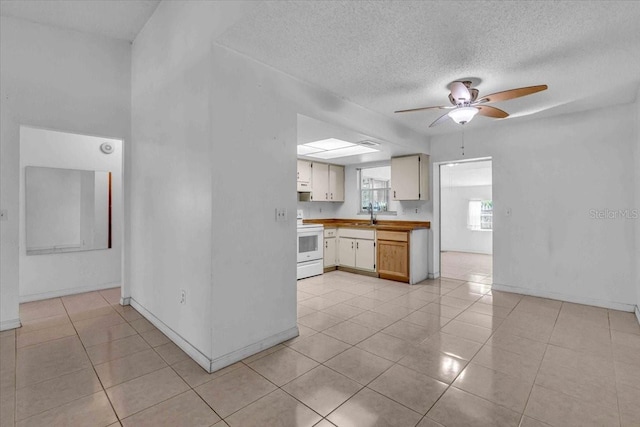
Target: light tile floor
x,y
477,268
370,353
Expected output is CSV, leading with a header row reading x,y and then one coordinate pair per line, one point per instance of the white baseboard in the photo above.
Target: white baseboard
x,y
563,297
433,275
200,358
10,324
638,313
208,364
66,292
125,301
252,349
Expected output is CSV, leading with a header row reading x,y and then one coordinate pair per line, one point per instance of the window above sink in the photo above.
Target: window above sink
x,y
374,187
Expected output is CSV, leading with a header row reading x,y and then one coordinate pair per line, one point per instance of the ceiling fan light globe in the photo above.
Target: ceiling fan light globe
x,y
463,115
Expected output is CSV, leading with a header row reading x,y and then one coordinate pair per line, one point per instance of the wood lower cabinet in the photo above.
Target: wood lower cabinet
x,y
393,255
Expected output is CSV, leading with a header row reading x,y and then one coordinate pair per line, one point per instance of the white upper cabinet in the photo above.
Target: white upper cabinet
x,y
327,182
320,182
410,177
304,175
336,183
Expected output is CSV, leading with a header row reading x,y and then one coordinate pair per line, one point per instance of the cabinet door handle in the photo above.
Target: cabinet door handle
x,y
331,196
351,245
357,245
394,194
326,196
326,245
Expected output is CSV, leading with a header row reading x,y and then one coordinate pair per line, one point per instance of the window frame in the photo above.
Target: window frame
x,y
482,208
361,191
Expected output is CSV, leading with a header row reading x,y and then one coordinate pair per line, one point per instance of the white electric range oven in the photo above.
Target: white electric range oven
x,y
310,253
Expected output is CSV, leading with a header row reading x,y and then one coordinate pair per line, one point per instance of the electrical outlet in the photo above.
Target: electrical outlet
x,y
281,214
3,215
183,296
417,210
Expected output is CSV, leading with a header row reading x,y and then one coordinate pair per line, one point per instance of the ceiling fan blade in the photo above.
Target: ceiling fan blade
x,y
512,93
440,120
493,112
423,108
459,91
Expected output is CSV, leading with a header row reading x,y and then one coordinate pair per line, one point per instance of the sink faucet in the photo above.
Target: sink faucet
x,y
373,219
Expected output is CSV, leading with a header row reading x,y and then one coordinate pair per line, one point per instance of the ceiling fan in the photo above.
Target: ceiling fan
x,y
466,103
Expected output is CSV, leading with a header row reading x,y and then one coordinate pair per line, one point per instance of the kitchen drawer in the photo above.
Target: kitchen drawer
x,y
356,233
395,236
330,232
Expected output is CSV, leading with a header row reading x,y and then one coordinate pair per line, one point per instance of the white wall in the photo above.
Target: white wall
x,y
44,276
53,79
254,168
551,173
637,198
171,167
318,210
214,155
454,210
254,116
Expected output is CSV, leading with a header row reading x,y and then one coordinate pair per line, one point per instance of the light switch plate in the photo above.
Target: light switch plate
x,y
3,215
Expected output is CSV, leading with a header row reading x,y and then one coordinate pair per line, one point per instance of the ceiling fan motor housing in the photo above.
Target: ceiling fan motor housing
x,y
466,103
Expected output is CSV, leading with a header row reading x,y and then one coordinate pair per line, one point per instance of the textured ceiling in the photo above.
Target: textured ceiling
x,y
402,54
119,19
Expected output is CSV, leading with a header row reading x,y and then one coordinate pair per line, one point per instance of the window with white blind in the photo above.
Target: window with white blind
x,y
374,185
480,215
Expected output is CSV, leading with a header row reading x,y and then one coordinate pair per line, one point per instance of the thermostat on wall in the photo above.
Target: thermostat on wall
x,y
107,148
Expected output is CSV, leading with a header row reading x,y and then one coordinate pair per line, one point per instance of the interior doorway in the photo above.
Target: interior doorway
x,y
70,214
466,221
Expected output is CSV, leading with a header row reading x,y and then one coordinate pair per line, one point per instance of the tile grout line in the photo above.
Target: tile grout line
x,y
546,347
89,359
396,363
15,377
412,310
466,365
615,370
39,382
78,370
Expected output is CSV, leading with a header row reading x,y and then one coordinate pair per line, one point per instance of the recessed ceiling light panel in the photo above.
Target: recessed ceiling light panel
x,y
330,144
343,152
305,150
332,148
